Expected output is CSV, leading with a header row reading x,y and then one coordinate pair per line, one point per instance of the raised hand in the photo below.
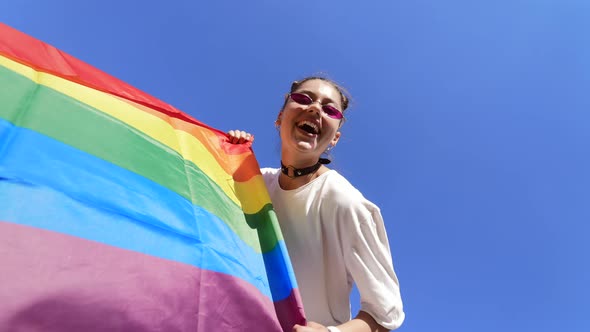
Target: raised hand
x,y
239,137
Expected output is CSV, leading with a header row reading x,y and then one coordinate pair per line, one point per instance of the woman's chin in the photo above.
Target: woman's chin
x,y
303,146
304,142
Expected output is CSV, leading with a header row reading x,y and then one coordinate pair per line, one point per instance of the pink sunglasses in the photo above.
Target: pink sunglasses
x,y
304,99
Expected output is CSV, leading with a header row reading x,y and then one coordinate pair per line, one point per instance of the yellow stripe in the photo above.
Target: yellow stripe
x,y
189,147
252,203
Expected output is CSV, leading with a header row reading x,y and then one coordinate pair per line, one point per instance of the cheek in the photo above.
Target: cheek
x,y
289,114
333,124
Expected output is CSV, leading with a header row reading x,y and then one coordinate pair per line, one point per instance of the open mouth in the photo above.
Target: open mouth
x,y
309,127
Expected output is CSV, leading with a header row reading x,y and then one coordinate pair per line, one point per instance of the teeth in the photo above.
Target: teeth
x,y
309,123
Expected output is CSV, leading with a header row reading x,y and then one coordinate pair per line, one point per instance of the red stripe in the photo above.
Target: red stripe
x,y
56,282
42,57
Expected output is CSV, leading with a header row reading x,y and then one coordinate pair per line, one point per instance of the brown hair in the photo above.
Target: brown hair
x,y
341,91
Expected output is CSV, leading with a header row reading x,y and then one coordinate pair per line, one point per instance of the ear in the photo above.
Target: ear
x,y
335,139
279,118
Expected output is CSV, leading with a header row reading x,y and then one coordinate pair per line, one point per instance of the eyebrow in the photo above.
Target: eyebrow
x,y
325,101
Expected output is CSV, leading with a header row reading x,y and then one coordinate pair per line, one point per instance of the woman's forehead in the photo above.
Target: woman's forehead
x,y
321,89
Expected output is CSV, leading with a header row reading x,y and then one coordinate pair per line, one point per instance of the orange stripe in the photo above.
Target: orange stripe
x,y
232,162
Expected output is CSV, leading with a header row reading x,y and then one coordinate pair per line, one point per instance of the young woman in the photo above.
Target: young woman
x,y
333,234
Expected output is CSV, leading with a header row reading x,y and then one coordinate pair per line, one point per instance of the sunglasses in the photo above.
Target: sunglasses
x,y
304,99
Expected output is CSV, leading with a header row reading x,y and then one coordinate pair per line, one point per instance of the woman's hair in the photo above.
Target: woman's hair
x,y
341,91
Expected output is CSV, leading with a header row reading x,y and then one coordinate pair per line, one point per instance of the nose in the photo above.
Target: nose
x,y
315,106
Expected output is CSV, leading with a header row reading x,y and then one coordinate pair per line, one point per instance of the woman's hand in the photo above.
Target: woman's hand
x,y
311,327
363,322
239,137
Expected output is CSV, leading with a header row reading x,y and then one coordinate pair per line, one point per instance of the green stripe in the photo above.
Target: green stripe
x,y
37,107
266,223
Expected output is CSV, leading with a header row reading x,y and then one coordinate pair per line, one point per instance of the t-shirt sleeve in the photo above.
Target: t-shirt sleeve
x,y
369,263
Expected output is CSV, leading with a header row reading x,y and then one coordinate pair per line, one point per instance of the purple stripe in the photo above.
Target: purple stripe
x,y
56,282
289,312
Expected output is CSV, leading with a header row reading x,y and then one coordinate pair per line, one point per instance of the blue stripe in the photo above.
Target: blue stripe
x,y
47,184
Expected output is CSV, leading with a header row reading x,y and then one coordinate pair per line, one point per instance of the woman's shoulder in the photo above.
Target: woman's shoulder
x,y
345,194
346,204
340,185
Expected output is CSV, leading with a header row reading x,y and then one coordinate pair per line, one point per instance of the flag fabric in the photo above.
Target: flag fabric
x,y
118,212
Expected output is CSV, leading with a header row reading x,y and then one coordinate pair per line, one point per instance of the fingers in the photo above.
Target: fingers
x,y
239,137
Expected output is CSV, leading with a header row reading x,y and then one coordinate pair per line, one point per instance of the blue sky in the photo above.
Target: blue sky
x,y
470,126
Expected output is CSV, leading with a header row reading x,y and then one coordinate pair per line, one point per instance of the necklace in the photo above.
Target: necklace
x,y
303,171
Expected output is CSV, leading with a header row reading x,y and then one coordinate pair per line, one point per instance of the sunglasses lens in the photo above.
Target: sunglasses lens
x,y
300,98
304,99
332,112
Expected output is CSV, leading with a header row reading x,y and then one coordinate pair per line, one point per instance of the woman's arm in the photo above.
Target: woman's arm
x,y
361,323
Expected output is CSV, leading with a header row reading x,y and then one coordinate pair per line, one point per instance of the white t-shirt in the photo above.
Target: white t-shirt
x,y
336,237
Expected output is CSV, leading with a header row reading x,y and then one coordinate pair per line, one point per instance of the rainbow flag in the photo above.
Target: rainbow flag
x,y
120,213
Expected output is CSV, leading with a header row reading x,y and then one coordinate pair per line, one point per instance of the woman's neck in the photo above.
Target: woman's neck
x,y
289,183
296,161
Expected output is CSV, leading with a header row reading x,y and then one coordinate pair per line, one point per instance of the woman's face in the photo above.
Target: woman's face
x,y
306,128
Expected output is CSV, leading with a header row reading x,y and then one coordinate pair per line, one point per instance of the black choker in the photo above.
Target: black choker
x,y
303,171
